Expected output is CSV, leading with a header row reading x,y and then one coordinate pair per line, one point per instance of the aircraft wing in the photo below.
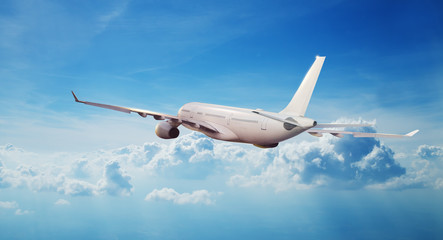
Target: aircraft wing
x,y
141,112
201,125
289,121
318,132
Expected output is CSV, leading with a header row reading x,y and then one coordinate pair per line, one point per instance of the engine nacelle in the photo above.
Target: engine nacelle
x,y
166,131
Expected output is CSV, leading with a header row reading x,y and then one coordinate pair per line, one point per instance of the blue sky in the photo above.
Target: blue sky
x,y
70,171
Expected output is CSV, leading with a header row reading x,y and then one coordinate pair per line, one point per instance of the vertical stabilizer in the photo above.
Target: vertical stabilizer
x,y
300,101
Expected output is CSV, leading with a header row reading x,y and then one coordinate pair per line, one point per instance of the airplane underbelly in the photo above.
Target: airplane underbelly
x,y
223,133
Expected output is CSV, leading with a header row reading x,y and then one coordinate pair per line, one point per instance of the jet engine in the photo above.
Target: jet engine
x,y
166,131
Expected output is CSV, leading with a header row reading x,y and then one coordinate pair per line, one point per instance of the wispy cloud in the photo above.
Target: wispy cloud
x,y
62,202
105,19
14,205
169,194
22,212
8,205
44,34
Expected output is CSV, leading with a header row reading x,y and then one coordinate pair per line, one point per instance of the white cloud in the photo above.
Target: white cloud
x,y
22,212
62,202
75,187
424,172
14,205
80,169
114,181
53,178
438,183
169,194
3,182
338,163
430,152
8,205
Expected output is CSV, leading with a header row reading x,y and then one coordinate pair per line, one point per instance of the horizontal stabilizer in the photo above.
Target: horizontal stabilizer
x,y
360,134
342,125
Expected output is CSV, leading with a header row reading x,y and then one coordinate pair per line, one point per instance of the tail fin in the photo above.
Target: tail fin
x,y
300,101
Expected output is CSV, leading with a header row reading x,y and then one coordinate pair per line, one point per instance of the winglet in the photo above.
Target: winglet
x,y
412,133
75,97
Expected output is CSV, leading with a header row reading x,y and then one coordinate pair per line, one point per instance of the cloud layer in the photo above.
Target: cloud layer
x,y
346,163
329,161
64,179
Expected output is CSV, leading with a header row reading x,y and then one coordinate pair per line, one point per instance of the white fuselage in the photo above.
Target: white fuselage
x,y
240,124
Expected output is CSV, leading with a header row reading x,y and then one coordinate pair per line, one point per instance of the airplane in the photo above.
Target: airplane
x,y
254,126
